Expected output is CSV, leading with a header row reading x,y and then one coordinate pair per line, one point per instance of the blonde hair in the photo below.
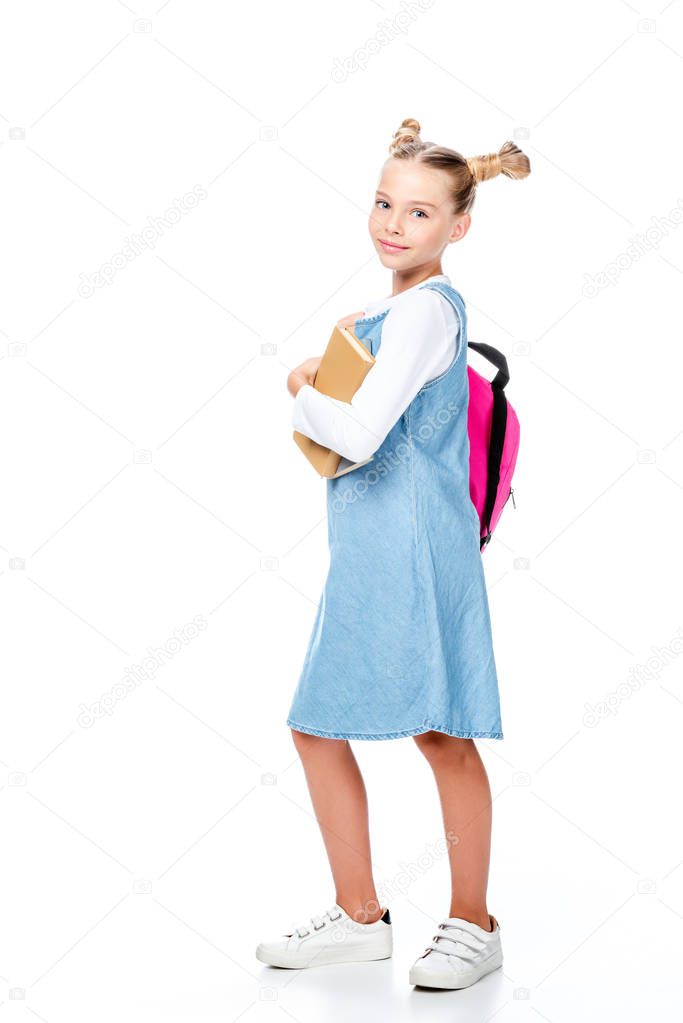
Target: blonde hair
x,y
465,174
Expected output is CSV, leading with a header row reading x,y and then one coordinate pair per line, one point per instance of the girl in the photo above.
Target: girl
x,y
401,644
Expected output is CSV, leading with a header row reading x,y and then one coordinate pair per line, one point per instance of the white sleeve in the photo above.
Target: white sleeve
x,y
418,343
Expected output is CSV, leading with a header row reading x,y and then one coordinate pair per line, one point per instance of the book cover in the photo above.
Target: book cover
x,y
343,367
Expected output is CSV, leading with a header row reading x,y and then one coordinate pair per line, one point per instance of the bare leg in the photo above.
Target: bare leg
x,y
341,808
466,806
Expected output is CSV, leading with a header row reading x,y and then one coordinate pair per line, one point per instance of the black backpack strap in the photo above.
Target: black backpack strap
x,y
497,359
498,424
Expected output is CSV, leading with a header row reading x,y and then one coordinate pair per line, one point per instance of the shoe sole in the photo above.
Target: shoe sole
x,y
424,977
322,958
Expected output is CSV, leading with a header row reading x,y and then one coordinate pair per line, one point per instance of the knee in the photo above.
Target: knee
x,y
438,747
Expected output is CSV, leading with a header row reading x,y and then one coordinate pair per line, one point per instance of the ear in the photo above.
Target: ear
x,y
461,226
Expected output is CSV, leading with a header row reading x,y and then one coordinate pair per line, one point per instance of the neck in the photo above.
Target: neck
x,y
403,279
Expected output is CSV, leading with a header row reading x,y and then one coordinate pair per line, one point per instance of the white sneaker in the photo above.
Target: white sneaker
x,y
332,937
460,953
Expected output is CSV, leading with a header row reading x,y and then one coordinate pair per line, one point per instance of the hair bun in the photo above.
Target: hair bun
x,y
509,160
407,133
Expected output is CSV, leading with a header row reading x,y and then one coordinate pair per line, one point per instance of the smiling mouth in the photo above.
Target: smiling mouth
x,y
391,245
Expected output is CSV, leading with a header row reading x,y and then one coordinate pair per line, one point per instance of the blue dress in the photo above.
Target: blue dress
x,y
401,642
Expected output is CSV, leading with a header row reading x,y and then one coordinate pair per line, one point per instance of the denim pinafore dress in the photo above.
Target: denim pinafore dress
x,y
401,642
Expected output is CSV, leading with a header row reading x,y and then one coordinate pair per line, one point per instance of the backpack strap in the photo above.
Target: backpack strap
x,y
498,425
495,357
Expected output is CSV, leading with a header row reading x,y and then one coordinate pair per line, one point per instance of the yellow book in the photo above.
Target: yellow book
x,y
343,368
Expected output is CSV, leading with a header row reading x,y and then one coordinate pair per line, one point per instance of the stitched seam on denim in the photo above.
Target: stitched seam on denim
x,y
371,319
427,726
413,508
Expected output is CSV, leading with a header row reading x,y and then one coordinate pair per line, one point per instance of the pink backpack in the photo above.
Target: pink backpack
x,y
493,430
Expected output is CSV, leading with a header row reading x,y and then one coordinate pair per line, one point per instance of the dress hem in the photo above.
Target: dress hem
x,y
426,727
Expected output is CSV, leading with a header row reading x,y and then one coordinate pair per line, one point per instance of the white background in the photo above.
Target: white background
x,y
147,852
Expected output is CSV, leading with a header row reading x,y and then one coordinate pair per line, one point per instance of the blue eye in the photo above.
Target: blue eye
x,y
385,204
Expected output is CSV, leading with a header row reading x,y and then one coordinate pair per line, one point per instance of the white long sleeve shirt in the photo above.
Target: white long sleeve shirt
x,y
419,342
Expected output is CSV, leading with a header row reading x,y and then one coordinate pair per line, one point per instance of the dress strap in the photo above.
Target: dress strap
x,y
458,303
453,296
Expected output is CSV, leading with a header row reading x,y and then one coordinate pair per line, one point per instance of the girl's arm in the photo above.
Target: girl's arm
x,y
419,341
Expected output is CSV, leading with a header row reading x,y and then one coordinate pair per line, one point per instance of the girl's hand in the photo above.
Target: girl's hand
x,y
303,374
348,321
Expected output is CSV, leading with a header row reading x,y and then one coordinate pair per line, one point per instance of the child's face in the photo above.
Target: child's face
x,y
412,209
